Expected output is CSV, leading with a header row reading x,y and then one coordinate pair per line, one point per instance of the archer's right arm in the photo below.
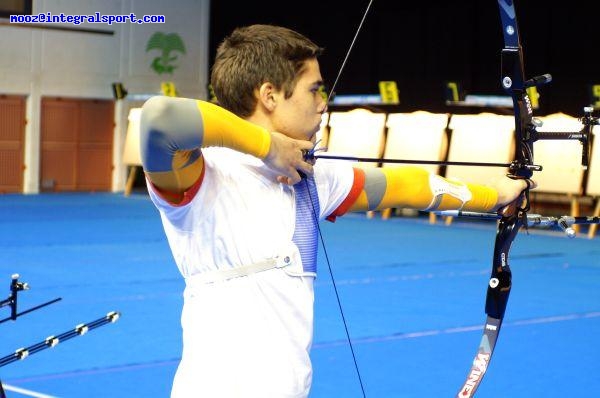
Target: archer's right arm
x,y
173,131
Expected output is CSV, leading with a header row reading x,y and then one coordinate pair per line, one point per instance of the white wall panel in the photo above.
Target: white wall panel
x,y
39,63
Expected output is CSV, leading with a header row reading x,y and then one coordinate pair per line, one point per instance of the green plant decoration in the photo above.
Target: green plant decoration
x,y
167,43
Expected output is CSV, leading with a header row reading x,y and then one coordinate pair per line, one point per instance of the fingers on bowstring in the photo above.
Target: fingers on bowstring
x,y
306,162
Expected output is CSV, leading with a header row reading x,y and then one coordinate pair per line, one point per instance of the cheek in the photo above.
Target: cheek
x,y
310,106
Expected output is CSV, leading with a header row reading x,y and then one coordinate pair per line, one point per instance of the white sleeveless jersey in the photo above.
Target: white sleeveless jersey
x,y
248,336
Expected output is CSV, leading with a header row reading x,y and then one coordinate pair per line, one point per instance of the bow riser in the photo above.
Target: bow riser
x,y
525,135
513,82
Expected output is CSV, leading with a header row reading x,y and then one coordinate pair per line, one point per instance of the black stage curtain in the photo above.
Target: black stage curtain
x,y
424,44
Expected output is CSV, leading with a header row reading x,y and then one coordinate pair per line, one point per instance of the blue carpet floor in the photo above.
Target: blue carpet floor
x,y
412,293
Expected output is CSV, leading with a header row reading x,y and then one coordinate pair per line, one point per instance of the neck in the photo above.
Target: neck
x,y
260,120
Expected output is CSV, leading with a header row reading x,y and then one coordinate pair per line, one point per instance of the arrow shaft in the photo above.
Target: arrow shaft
x,y
409,161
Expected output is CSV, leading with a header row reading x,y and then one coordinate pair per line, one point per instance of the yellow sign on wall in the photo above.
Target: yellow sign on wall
x,y
452,92
389,92
168,89
596,95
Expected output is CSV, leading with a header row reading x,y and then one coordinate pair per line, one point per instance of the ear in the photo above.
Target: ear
x,y
267,96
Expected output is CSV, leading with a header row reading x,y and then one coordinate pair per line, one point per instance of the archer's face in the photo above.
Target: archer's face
x,y
299,116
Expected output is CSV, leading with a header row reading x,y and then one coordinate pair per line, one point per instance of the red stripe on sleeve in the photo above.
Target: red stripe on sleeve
x,y
357,187
188,195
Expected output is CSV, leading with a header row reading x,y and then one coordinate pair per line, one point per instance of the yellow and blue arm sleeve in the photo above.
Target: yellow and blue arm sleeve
x,y
173,131
414,187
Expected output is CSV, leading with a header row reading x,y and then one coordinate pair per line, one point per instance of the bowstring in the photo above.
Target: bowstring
x,y
337,296
339,74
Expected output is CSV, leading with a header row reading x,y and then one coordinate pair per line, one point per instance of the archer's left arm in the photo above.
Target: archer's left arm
x,y
414,187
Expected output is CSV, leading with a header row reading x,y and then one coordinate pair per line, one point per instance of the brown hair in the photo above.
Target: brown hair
x,y
253,55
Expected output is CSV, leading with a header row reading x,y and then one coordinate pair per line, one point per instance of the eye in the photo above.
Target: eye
x,y
321,90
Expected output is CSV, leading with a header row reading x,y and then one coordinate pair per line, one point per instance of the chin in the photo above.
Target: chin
x,y
316,129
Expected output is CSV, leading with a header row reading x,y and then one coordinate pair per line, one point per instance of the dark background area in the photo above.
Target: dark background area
x,y
424,44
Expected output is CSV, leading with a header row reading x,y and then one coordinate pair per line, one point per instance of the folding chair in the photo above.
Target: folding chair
x,y
357,133
484,137
417,135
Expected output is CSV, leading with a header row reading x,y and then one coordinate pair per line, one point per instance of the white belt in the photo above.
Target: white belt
x,y
221,275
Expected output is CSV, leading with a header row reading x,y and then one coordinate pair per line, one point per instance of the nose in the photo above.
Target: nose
x,y
324,107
